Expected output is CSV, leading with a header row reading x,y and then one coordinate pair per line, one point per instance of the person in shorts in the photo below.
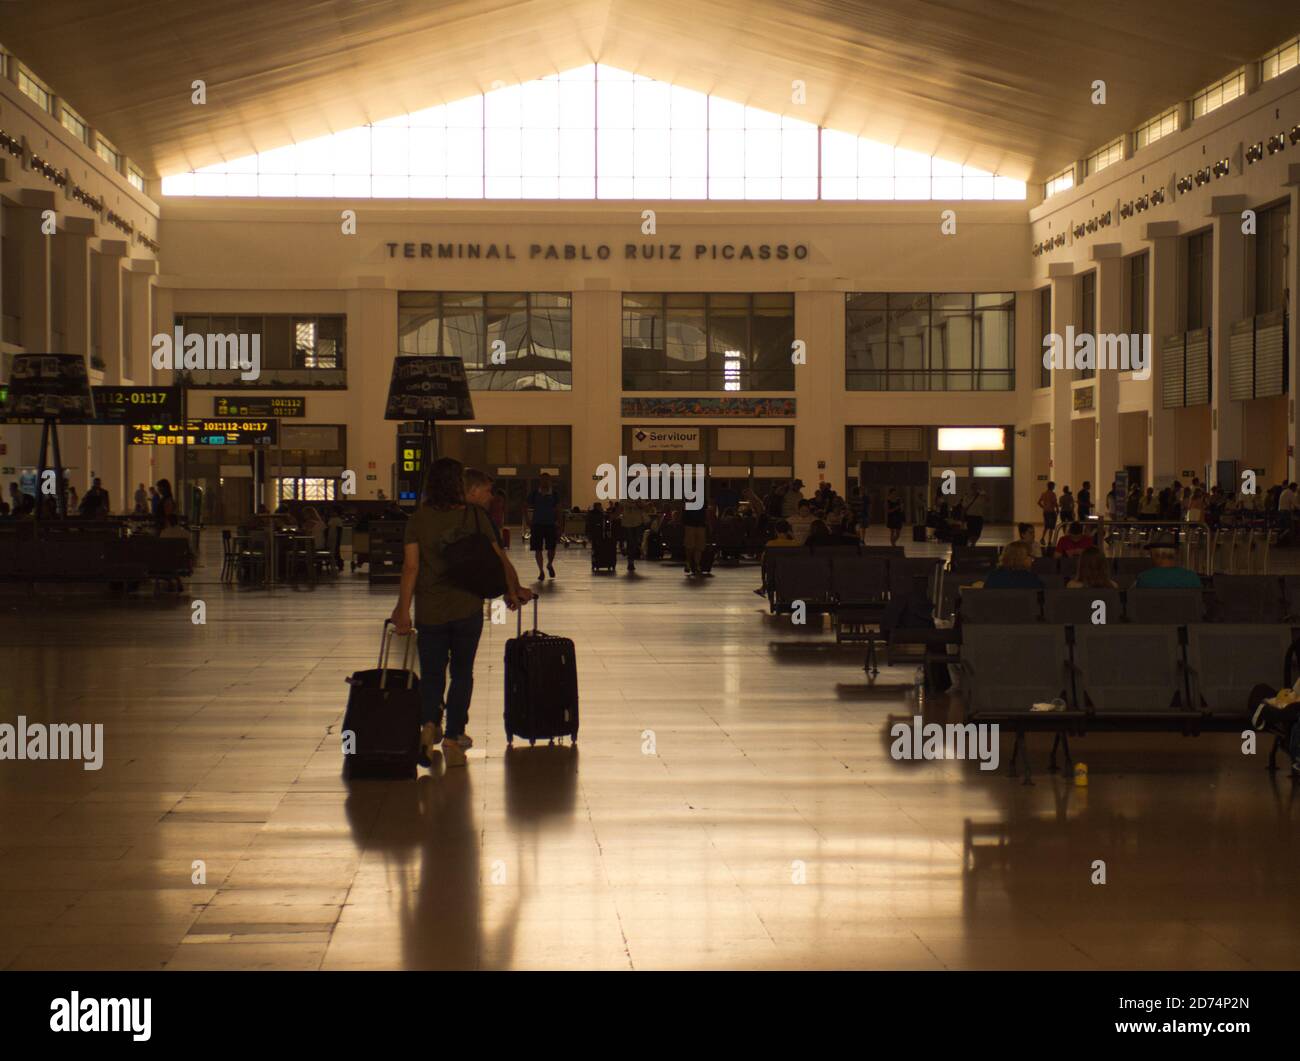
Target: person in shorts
x,y
1048,503
545,531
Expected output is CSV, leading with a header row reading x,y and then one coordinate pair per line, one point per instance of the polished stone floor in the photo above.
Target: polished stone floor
x,y
731,804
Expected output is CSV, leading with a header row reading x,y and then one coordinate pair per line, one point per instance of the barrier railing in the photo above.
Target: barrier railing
x,y
1239,546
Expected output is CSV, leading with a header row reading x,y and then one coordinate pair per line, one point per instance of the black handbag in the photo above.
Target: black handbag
x,y
473,564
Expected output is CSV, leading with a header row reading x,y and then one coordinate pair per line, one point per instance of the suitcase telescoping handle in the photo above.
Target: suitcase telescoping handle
x,y
385,644
519,618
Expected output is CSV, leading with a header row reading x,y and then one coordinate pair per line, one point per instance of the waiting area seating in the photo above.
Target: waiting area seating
x,y
1134,677
83,551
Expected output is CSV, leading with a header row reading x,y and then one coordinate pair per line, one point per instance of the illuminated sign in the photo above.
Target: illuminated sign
x,y
136,405
207,433
288,407
410,448
116,406
982,439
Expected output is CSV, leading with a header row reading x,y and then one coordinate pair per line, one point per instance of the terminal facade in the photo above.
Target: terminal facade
x,y
763,339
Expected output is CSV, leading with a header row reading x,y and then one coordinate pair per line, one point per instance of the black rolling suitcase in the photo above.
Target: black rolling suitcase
x,y
604,553
381,727
541,681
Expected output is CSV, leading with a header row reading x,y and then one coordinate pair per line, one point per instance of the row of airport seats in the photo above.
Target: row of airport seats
x,y
89,558
1224,598
833,576
1186,678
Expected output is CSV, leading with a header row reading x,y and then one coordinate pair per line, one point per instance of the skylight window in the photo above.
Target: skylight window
x,y
595,132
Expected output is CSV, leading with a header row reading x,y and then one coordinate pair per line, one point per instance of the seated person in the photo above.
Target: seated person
x,y
784,539
1026,534
784,535
1093,571
1013,570
820,534
1074,542
1167,573
171,528
801,525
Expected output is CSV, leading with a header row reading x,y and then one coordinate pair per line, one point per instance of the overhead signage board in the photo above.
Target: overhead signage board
x,y
288,407
661,439
136,405
213,432
116,406
49,387
429,388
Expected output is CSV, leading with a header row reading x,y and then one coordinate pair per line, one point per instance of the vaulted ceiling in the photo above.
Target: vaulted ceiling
x,y
1000,84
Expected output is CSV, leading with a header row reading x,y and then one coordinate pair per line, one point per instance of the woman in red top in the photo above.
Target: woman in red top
x,y
1074,542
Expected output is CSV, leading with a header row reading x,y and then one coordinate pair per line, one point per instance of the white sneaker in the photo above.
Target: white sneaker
x,y
430,738
454,749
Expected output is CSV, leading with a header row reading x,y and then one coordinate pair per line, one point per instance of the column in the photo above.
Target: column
x,y
597,429
1064,310
819,432
1293,313
1226,423
70,316
1162,320
371,348
35,251
1110,309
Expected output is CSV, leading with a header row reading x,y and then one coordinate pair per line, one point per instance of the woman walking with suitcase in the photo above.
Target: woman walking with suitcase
x,y
448,616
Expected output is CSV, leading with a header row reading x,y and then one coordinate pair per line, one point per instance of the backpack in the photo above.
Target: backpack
x,y
472,562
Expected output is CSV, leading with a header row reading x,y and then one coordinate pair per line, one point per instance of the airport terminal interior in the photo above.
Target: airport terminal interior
x,y
887,411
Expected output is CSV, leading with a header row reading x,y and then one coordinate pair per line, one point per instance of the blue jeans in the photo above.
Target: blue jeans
x,y
456,641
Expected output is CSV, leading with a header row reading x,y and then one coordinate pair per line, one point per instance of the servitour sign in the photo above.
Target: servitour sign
x,y
660,439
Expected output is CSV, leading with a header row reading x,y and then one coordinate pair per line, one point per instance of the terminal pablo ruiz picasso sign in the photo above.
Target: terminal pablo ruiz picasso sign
x,y
643,251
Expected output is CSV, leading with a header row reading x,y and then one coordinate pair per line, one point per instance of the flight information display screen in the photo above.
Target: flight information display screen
x,y
207,433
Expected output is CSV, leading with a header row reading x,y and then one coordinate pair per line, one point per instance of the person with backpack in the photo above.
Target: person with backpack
x,y
448,614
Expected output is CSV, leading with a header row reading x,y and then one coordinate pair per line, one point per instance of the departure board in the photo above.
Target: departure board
x,y
207,433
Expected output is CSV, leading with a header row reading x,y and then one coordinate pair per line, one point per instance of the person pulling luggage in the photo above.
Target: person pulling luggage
x,y
633,521
448,615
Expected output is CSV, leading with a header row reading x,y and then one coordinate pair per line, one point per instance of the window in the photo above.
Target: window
x,y
1269,262
1156,129
520,341
708,342
1045,329
1280,59
305,489
1106,156
1198,297
35,91
1087,314
595,132
295,350
930,342
135,178
1136,268
1061,182
1216,95
108,153
75,125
